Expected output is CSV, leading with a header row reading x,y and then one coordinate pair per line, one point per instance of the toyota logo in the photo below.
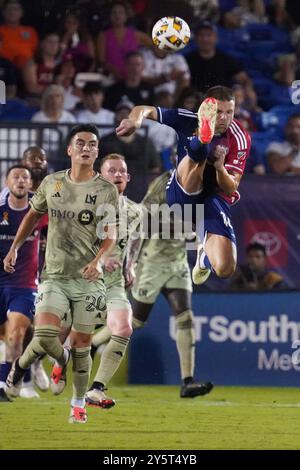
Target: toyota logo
x,y
271,242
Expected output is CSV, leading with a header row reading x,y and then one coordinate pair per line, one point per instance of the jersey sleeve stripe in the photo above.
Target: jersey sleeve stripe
x,y
159,114
234,167
239,135
186,112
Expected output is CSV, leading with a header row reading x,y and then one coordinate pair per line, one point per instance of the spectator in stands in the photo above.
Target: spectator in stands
x,y
76,42
92,97
210,67
156,10
241,112
189,99
8,76
254,275
289,66
166,72
137,149
18,42
132,87
247,11
38,72
114,44
65,74
52,112
52,107
205,10
284,157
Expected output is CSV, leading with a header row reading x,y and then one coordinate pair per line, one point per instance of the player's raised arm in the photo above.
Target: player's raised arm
x,y
27,226
135,120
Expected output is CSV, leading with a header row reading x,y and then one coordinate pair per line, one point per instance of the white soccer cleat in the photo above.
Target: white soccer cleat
x,y
39,376
14,380
97,398
28,391
200,275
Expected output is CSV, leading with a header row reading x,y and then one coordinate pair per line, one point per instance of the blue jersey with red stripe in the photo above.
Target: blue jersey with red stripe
x,y
236,140
26,269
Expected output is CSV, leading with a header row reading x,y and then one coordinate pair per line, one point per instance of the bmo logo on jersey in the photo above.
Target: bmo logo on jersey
x,y
85,217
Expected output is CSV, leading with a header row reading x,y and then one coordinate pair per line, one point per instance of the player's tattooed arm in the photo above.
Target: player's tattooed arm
x,y
135,119
133,250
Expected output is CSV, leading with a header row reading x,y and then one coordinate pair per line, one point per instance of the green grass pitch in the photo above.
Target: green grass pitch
x,y
154,417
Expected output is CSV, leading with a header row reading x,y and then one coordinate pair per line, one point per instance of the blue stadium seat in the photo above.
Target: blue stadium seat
x,y
260,142
16,110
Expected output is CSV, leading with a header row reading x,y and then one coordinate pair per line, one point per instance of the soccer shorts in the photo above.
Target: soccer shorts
x,y
16,299
217,216
86,301
116,297
151,278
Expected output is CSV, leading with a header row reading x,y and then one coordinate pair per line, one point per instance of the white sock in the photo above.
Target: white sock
x,y
80,403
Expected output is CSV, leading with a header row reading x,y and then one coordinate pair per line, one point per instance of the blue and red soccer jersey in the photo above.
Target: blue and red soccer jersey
x,y
26,269
236,140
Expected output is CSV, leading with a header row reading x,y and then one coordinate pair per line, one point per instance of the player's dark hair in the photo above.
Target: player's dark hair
x,y
18,165
83,128
33,148
221,93
293,116
111,156
91,88
256,247
133,54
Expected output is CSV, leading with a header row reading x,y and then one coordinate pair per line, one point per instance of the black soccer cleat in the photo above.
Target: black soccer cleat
x,y
195,389
3,396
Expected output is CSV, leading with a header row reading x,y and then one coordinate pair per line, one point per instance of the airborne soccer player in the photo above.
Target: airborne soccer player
x,y
212,151
72,279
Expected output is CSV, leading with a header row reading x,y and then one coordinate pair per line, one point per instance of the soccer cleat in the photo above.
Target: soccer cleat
x,y
39,376
207,115
28,391
200,275
77,415
14,380
194,389
97,398
58,377
4,398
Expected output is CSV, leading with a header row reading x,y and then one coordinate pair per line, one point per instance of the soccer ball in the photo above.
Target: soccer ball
x,y
171,33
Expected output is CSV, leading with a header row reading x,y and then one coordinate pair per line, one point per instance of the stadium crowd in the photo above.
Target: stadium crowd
x,y
100,53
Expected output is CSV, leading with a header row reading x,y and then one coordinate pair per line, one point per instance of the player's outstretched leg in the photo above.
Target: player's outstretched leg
x,y
207,115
